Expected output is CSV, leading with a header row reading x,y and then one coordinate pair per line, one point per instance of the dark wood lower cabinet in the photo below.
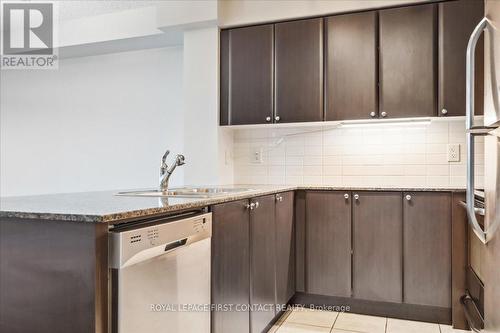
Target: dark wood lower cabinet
x,y
262,263
427,248
378,246
230,265
328,243
381,252
285,248
253,261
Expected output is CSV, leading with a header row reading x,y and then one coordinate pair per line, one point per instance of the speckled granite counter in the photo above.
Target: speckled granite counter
x,y
106,207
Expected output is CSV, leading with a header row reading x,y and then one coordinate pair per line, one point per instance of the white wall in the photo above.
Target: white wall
x,y
371,156
97,123
206,143
242,12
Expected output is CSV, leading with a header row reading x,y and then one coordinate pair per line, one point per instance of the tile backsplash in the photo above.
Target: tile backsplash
x,y
379,155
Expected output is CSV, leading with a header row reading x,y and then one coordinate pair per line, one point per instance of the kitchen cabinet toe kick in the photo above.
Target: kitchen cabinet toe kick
x,y
432,314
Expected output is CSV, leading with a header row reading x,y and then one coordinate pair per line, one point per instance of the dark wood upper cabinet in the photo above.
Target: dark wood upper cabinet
x,y
328,243
285,249
408,61
457,20
230,265
299,71
427,248
262,261
247,75
378,246
351,66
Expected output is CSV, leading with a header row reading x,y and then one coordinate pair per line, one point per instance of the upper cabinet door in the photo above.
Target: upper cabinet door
x,y
299,71
247,75
408,61
457,20
351,66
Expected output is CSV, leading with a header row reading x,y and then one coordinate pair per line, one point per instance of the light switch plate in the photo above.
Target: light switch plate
x,y
454,152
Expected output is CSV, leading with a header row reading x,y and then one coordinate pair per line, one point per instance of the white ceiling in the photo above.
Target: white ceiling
x,y
75,9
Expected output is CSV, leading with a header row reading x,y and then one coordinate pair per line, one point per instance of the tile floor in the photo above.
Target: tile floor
x,y
302,320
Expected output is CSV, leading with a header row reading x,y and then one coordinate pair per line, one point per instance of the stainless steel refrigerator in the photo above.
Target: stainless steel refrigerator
x,y
483,205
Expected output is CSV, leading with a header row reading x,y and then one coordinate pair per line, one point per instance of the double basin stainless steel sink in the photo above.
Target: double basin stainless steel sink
x,y
185,192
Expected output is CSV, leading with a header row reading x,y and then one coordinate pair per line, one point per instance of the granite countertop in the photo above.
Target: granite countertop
x,y
106,207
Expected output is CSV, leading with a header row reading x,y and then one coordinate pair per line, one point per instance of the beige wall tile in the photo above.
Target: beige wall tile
x,y
378,156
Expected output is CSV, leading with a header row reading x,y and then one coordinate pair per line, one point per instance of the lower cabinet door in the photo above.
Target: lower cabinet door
x,y
378,246
285,249
328,243
427,248
230,266
262,263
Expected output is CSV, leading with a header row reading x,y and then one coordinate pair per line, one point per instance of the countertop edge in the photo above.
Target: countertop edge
x,y
121,217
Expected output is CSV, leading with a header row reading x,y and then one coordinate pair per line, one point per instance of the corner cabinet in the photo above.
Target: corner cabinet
x,y
408,61
351,88
299,71
247,75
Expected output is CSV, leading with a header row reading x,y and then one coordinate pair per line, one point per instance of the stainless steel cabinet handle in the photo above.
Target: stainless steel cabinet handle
x,y
372,114
268,119
408,197
383,114
256,204
346,196
250,206
356,197
279,198
444,111
277,118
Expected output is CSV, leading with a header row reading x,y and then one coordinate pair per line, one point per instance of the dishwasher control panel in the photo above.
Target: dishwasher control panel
x,y
129,246
200,225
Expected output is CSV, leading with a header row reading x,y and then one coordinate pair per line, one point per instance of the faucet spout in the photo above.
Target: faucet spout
x,y
166,172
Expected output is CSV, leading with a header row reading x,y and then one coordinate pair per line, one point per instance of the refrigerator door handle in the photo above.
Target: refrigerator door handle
x,y
469,124
470,71
469,197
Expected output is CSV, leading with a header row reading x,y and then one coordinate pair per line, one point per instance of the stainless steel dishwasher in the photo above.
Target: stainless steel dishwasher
x,y
160,275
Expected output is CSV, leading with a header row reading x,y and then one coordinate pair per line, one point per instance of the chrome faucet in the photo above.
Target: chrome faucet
x,y
166,172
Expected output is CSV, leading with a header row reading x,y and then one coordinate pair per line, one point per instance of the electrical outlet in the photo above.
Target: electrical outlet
x,y
257,155
454,152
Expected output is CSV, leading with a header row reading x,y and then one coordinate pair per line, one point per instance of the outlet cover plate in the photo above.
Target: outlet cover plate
x,y
257,155
453,152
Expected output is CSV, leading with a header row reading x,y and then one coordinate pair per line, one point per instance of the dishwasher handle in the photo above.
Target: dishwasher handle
x,y
176,244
